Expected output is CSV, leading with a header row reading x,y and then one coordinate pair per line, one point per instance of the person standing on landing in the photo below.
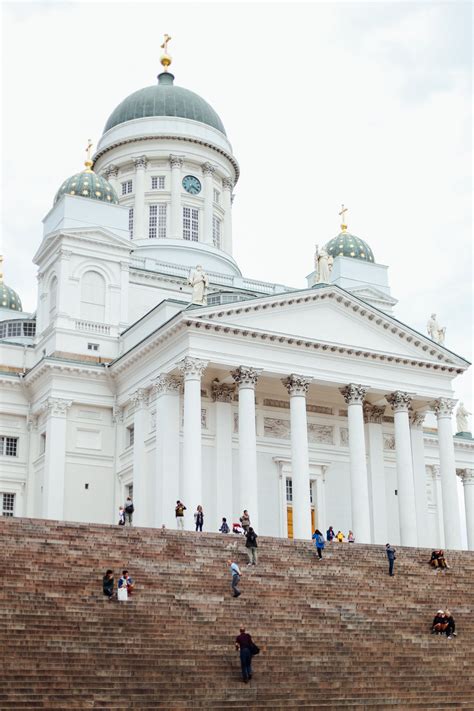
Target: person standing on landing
x,y
179,513
318,542
245,520
199,518
391,555
251,545
129,509
330,535
235,573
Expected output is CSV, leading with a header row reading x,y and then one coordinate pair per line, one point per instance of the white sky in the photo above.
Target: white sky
x,y
362,103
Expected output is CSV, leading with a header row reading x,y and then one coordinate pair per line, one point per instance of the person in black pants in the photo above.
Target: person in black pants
x,y
244,643
391,557
199,518
108,584
451,629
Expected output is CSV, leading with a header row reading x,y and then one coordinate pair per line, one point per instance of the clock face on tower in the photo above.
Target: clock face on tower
x,y
191,184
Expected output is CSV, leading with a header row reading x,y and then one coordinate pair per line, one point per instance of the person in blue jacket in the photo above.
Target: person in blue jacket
x,y
318,542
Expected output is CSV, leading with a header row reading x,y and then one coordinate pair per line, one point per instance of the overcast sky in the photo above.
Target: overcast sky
x,y
362,103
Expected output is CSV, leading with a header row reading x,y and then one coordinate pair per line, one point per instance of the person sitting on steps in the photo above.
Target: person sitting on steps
x,y
451,629
108,584
224,526
440,623
126,581
340,537
438,561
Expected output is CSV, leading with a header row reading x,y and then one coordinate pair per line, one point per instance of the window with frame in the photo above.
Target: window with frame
x,y
217,196
130,222
42,443
157,221
157,182
15,329
289,491
129,489
191,224
130,435
216,232
311,491
7,504
9,446
29,328
126,187
93,296
92,346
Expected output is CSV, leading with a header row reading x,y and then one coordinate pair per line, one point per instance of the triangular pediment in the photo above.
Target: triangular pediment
x,y
332,316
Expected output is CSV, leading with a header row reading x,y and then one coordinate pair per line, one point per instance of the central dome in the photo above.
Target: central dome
x,y
164,99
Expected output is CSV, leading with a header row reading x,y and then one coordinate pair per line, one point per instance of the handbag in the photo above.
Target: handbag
x,y
122,594
254,649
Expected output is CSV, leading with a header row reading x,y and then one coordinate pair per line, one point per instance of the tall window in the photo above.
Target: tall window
x,y
8,446
158,182
126,187
216,232
130,435
217,196
130,222
7,504
191,224
53,297
93,297
157,221
289,491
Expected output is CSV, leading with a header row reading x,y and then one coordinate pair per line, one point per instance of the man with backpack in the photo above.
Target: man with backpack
x,y
251,545
129,509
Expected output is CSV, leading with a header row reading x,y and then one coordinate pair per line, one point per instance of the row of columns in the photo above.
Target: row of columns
x,y
176,211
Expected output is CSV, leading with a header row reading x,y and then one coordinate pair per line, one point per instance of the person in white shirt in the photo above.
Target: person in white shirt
x,y
235,573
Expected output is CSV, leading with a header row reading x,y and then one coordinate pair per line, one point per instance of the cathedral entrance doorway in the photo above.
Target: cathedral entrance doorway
x,y
289,520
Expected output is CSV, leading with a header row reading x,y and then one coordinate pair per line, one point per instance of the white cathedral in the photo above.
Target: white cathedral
x,y
153,366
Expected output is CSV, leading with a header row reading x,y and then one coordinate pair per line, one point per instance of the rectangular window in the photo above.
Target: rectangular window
x,y
289,491
15,329
9,446
217,196
8,504
130,222
29,328
43,443
311,491
162,221
130,435
158,182
216,232
3,330
92,346
126,187
157,221
191,224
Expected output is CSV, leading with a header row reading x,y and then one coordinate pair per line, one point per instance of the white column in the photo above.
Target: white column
x,y
419,477
176,221
33,451
354,397
55,458
400,402
117,421
111,174
139,220
297,387
248,484
124,292
452,525
140,430
192,369
373,418
222,395
227,187
166,476
440,540
467,476
321,500
208,171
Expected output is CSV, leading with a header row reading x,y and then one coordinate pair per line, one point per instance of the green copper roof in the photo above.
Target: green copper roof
x,y
9,299
88,184
165,99
348,245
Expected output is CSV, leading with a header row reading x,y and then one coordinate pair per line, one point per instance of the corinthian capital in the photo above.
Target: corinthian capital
x,y
165,384
221,392
353,394
57,407
373,414
192,368
399,400
111,172
140,162
246,377
296,384
417,419
140,397
176,161
117,414
227,184
208,169
443,407
466,476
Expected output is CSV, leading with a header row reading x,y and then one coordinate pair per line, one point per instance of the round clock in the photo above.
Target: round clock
x,y
191,184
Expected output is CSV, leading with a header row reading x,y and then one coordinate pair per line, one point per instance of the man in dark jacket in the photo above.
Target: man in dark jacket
x,y
391,557
108,584
251,545
244,642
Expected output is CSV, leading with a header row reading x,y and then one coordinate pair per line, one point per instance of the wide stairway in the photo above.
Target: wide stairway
x,y
339,633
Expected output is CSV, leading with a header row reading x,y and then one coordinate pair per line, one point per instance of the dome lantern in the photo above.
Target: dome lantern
x,y
346,244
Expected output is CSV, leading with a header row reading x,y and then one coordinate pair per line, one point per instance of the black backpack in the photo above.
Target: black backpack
x,y
129,509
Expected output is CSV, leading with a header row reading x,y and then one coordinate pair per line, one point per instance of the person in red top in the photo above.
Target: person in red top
x,y
244,642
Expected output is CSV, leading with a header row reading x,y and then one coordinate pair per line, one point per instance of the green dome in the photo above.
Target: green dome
x,y
165,99
88,184
9,299
348,245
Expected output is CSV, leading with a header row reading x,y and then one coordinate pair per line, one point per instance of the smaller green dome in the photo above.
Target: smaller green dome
x,y
9,299
348,245
88,184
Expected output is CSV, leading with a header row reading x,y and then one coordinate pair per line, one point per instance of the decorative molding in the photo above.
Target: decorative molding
x,y
221,392
373,414
245,376
208,169
117,414
296,384
236,423
227,184
140,162
111,171
353,394
176,161
285,404
55,407
466,476
389,442
322,434
344,436
139,398
435,472
399,401
192,368
443,407
165,384
417,419
276,427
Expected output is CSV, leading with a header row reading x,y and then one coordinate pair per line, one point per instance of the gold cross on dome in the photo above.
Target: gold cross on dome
x,y
164,46
342,215
89,149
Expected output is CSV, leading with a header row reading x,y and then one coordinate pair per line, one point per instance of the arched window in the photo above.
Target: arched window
x,y
93,297
53,297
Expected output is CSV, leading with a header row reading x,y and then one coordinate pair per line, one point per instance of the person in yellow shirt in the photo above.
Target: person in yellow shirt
x,y
340,536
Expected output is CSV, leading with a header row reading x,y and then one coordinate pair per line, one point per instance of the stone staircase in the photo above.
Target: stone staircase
x,y
339,633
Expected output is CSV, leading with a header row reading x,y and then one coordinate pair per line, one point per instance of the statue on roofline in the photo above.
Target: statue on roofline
x,y
323,263
462,422
436,332
199,281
